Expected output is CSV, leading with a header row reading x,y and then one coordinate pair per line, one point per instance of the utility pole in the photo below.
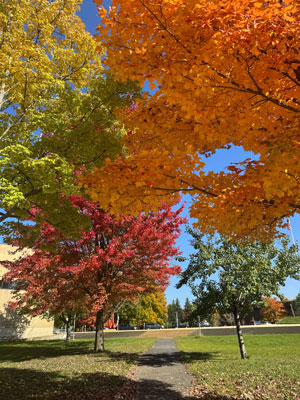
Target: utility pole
x,y
74,326
176,319
292,309
199,324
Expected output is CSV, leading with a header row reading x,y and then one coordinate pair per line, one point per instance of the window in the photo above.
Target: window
x,y
7,285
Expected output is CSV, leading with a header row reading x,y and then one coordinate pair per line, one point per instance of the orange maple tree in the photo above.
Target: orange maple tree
x,y
273,310
226,74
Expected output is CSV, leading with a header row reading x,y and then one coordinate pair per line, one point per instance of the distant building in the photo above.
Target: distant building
x,y
14,326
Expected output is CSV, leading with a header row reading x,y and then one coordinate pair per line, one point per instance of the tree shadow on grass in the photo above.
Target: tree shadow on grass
x,y
26,351
190,357
25,384
30,384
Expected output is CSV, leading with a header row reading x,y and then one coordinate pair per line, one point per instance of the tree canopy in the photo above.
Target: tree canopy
x,y
116,260
273,310
188,313
226,74
175,312
232,277
297,302
56,109
147,308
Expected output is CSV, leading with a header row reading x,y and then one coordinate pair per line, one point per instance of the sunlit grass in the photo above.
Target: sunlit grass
x,y
289,320
271,372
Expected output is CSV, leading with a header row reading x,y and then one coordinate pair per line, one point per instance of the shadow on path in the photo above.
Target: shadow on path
x,y
149,389
161,374
170,359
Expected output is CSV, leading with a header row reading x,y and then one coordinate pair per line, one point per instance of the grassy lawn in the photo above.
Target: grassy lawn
x,y
289,320
271,372
48,370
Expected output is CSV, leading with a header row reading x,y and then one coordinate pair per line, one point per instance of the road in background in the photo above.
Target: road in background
x,y
214,331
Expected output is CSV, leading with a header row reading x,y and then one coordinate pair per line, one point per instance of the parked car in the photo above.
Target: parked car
x,y
205,324
180,325
126,327
57,330
151,325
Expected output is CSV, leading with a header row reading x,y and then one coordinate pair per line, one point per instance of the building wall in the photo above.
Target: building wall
x,y
12,324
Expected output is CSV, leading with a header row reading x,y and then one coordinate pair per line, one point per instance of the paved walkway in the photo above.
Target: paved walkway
x,y
160,374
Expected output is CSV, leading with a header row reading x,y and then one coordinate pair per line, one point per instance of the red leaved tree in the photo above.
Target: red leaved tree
x,y
114,261
44,287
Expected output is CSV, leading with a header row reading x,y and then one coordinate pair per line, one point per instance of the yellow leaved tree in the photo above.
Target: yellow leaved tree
x,y
147,308
44,47
56,110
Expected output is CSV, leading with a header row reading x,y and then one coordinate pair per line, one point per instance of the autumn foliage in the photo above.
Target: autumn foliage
x,y
273,311
57,110
226,74
117,259
149,308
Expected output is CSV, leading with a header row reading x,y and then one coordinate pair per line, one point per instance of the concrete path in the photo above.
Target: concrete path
x,y
160,374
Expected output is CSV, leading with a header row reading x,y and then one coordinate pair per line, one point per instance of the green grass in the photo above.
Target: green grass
x,y
289,320
43,370
271,372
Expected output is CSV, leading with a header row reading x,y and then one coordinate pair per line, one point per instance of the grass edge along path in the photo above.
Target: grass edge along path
x,y
271,372
52,369
289,320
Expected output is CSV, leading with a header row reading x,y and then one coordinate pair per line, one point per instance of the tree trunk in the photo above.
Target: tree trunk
x,y
239,333
68,330
99,335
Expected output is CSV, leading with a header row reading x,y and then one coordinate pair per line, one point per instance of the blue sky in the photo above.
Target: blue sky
x,y
218,162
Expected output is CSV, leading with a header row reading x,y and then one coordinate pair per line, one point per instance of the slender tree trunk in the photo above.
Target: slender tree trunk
x,y
2,94
68,330
99,335
239,333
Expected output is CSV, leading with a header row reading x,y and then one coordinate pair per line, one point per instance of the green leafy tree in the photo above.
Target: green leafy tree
x,y
188,315
171,313
175,312
56,110
232,277
297,302
179,310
